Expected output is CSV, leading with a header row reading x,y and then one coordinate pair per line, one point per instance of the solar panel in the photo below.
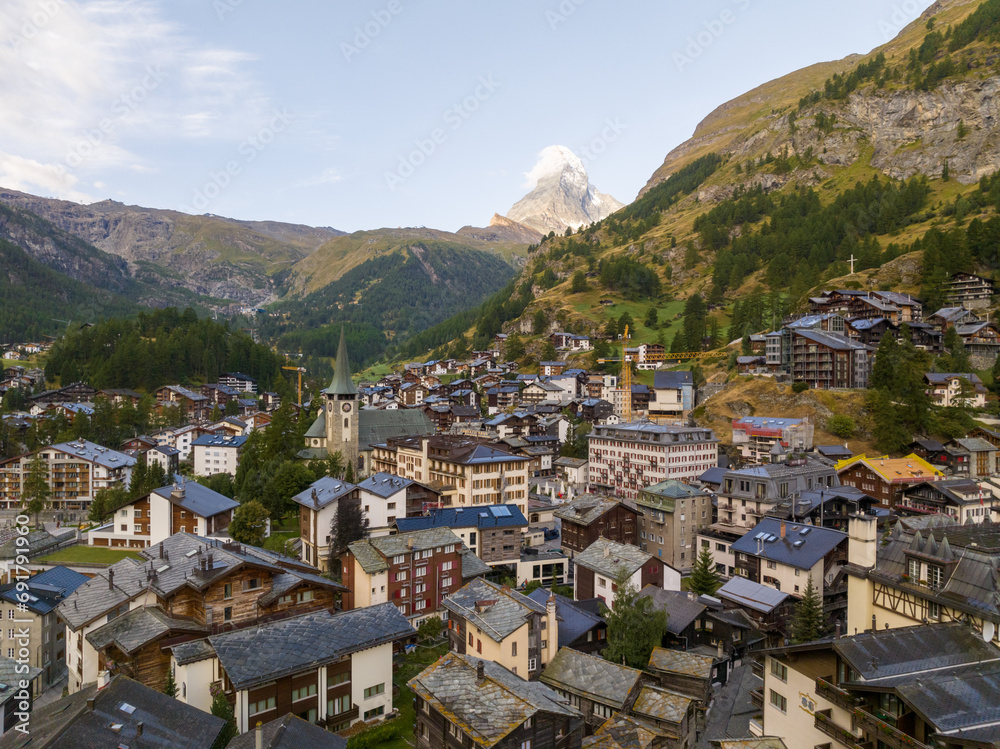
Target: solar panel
x,y
500,512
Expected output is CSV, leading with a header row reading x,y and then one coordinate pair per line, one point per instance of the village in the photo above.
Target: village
x,y
482,556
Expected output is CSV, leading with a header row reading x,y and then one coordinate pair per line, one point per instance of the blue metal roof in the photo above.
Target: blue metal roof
x,y
484,516
46,588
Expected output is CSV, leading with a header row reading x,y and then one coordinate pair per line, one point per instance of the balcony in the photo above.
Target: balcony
x,y
886,734
757,698
758,669
824,723
836,695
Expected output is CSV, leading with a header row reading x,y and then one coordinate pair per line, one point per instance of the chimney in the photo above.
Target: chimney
x,y
837,630
258,741
315,498
718,653
161,550
409,543
138,729
111,579
480,672
209,565
90,704
607,552
783,529
874,625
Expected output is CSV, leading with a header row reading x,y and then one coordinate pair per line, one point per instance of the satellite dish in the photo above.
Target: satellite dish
x,y
989,630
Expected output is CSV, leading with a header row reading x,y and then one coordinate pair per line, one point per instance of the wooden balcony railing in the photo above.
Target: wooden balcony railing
x,y
824,723
885,733
836,695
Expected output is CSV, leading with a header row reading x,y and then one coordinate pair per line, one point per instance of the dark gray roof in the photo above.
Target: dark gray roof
x,y
198,499
286,647
489,710
959,705
751,594
661,704
190,652
139,627
623,731
323,491
376,427
665,380
497,610
95,453
384,484
472,566
803,545
289,732
910,651
681,609
591,676
573,621
166,722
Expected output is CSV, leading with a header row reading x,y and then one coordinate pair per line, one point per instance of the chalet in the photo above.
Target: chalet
x,y
885,478
592,409
331,669
751,365
673,396
869,331
187,506
960,390
180,439
963,499
501,398
270,401
119,397
77,392
970,291
769,609
413,571
594,686
461,699
944,457
386,498
491,532
499,624
220,395
590,517
684,672
550,368
194,406
830,507
598,567
580,628
122,713
829,361
572,471
980,456
182,588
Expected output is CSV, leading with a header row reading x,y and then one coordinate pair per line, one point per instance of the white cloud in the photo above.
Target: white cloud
x,y
27,175
95,85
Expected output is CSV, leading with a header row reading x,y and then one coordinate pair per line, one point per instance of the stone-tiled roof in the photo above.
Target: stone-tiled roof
x,y
190,652
764,742
384,484
490,709
681,662
627,732
166,722
498,611
289,732
681,608
618,557
472,566
586,509
322,492
661,704
591,676
285,647
139,627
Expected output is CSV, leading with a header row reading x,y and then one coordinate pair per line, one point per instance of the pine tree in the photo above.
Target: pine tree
x,y
222,709
810,622
36,493
170,688
704,580
884,368
634,626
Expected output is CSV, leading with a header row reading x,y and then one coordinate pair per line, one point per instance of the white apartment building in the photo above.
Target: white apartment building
x,y
625,458
216,454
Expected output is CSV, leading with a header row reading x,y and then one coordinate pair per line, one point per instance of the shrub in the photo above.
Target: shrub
x,y
841,426
800,387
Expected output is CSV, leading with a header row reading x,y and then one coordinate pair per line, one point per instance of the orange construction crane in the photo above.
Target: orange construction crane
x,y
300,370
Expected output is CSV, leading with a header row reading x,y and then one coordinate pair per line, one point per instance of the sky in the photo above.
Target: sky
x,y
361,115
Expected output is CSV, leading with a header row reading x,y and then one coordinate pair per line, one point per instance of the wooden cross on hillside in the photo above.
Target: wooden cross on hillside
x,y
852,261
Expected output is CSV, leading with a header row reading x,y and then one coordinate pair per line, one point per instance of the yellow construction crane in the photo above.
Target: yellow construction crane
x,y
626,377
300,370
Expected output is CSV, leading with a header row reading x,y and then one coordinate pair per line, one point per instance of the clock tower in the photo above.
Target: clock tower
x,y
341,409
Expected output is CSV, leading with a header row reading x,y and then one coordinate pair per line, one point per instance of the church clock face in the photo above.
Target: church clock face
x,y
346,408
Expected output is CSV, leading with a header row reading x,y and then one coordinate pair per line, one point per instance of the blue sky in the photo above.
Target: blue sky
x,y
388,113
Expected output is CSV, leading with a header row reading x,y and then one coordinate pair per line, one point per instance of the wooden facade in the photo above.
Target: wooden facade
x,y
618,524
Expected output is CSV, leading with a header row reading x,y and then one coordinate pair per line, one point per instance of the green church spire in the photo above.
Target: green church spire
x,y
342,384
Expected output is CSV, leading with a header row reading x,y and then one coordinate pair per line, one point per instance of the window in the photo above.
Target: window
x,y
533,663
454,730
253,583
227,590
513,649
933,610
305,596
375,690
400,576
935,575
778,701
779,669
261,706
603,711
303,692
446,566
420,571
334,680
526,744
913,568
227,614
399,559
470,638
771,565
719,547
374,712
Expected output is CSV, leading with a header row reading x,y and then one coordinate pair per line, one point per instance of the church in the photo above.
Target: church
x,y
343,426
